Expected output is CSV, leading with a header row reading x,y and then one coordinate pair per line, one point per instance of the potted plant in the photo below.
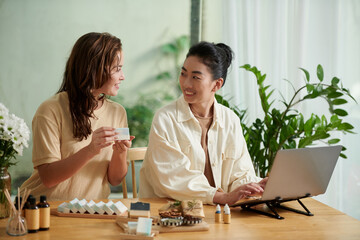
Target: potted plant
x,y
287,128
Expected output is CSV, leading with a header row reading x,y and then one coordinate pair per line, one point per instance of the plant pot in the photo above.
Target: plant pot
x,y
5,183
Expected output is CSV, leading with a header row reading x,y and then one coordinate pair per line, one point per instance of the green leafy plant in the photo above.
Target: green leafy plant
x,y
140,115
174,51
287,128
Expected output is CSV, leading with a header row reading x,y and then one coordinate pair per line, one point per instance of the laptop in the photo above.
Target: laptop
x,y
298,173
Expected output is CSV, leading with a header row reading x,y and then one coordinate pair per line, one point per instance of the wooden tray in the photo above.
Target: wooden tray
x,y
126,219
133,236
203,226
55,212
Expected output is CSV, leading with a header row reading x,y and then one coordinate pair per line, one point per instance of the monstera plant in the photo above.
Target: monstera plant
x,y
287,127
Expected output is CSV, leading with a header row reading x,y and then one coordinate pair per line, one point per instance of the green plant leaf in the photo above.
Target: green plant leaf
x,y
308,127
304,142
340,112
335,118
315,93
246,66
301,123
309,87
345,126
320,73
317,120
333,141
163,75
182,42
169,48
307,75
320,89
323,120
255,71
335,94
343,156
335,81
339,101
265,88
292,144
261,79
270,93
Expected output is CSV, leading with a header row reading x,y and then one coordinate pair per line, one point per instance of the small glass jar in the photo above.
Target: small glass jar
x,y
16,225
5,182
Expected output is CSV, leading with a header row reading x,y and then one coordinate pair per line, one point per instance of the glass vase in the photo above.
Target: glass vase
x,y
16,225
5,182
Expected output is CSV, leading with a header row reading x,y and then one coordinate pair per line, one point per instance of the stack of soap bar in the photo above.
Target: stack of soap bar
x,y
64,208
139,209
119,208
107,208
82,206
90,207
99,207
72,205
79,205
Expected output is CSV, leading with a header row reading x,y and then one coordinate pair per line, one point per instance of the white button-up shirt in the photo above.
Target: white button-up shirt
x,y
174,163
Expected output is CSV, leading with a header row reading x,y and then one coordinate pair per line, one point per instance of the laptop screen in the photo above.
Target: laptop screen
x,y
298,172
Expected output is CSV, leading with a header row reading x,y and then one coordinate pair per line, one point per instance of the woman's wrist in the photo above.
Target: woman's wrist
x,y
89,151
220,197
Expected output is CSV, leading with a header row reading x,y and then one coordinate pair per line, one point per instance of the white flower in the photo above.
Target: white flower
x,y
4,112
12,130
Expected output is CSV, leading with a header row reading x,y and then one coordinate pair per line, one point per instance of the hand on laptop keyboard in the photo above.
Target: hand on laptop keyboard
x,y
249,189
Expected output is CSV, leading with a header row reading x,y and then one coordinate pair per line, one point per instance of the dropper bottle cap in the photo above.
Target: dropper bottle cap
x,y
226,209
218,209
42,198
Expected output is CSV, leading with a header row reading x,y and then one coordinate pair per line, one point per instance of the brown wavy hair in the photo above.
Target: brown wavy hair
x,y
88,68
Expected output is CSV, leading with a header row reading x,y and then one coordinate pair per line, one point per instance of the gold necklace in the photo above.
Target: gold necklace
x,y
198,115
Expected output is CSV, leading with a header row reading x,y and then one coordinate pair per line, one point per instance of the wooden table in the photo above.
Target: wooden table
x,y
327,223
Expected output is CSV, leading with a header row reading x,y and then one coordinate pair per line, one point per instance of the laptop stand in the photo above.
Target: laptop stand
x,y
276,203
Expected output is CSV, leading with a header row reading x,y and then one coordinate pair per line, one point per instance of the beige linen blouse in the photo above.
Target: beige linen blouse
x,y
53,140
174,163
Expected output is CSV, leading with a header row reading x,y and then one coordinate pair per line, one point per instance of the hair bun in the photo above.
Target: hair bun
x,y
228,53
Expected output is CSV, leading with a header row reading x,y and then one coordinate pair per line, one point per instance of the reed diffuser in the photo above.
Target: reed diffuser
x,y
17,223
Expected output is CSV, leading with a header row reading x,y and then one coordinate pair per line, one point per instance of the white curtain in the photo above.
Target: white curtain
x,y
278,37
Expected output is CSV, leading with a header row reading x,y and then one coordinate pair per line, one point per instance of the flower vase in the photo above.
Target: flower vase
x,y
5,182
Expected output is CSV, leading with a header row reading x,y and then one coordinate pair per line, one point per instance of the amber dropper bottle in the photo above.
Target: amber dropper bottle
x,y
44,208
32,215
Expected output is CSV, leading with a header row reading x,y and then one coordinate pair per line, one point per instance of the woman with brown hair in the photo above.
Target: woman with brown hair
x,y
76,153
